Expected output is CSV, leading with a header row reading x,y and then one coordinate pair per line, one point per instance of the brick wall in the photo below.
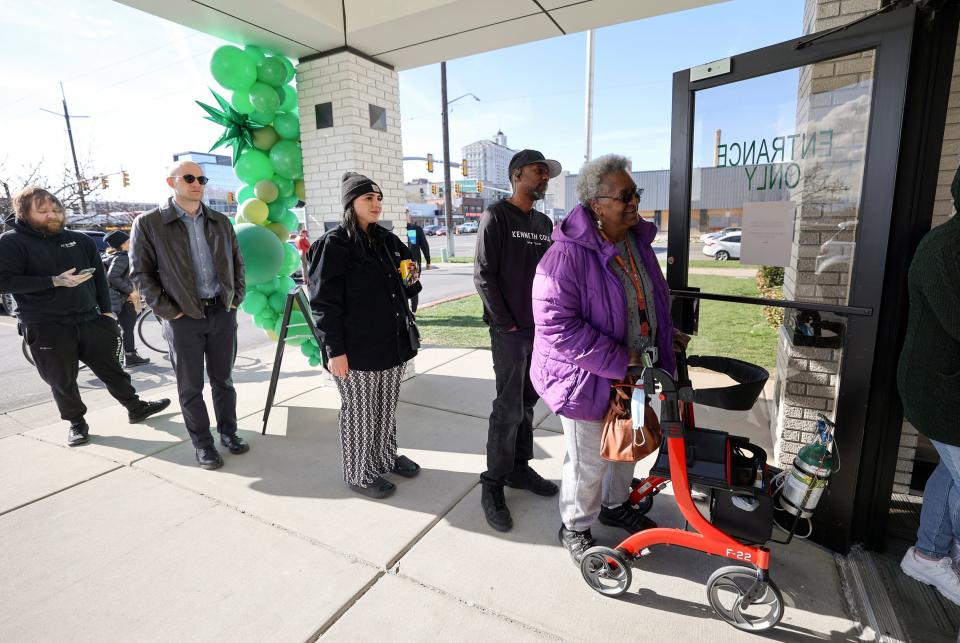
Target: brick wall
x,y
351,84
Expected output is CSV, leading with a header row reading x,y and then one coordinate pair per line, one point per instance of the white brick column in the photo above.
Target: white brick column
x,y
350,89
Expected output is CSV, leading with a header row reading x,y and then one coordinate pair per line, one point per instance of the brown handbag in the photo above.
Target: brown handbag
x,y
621,440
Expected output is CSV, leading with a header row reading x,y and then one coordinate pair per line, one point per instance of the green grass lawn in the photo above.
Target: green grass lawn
x,y
711,263
460,259
733,330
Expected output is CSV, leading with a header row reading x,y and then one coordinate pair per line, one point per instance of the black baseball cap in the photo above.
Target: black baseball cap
x,y
527,157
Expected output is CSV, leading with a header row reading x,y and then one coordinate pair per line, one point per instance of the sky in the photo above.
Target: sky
x,y
136,77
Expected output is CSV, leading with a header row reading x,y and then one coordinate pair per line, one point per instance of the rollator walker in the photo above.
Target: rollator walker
x,y
741,496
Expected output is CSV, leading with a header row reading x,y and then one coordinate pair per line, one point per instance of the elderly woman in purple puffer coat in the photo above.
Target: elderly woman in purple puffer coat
x,y
599,302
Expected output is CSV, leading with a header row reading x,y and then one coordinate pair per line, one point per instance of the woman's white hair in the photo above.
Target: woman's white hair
x,y
593,173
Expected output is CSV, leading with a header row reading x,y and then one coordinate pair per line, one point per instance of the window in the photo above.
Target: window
x,y
378,118
324,112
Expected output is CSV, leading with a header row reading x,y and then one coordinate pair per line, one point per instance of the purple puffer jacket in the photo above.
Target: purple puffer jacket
x,y
580,311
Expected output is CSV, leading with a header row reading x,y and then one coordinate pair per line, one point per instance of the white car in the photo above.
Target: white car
x,y
719,233
724,247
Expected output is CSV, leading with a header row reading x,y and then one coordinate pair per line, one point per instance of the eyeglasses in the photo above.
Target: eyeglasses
x,y
626,197
189,178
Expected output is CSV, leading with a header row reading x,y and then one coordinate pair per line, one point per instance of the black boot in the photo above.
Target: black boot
x,y
144,410
495,506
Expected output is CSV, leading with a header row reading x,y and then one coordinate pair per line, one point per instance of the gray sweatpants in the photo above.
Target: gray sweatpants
x,y
587,480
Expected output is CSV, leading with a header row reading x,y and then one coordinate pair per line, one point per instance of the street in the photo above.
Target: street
x,y
21,386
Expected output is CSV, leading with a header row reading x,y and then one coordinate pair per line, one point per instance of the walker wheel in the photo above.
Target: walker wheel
x,y
725,591
645,504
606,570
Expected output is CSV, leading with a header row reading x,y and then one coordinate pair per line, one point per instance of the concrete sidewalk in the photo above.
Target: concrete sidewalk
x,y
126,539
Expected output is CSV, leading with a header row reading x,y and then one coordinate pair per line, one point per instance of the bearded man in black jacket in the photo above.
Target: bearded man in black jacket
x,y
63,300
512,239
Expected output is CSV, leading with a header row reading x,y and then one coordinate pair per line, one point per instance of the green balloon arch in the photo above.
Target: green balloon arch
x,y
262,125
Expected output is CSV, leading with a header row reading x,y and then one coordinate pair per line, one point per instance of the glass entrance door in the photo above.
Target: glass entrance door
x,y
779,219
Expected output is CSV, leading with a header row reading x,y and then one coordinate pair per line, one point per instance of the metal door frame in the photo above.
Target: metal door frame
x,y
890,35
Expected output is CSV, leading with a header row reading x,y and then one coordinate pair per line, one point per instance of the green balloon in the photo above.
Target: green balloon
x,y
264,138
244,193
314,361
256,54
289,221
276,212
232,68
307,349
288,66
287,159
278,301
253,303
268,287
266,190
297,340
285,284
290,202
264,321
252,166
284,184
264,98
241,102
291,260
262,252
271,71
287,125
289,102
264,118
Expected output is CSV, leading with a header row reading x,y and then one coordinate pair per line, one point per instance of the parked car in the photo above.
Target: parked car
x,y
430,229
723,248
9,304
719,233
468,227
97,237
441,231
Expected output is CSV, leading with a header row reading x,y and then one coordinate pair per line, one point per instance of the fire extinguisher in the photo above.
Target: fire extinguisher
x,y
802,485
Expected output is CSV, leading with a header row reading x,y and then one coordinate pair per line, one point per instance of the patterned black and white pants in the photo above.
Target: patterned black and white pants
x,y
368,423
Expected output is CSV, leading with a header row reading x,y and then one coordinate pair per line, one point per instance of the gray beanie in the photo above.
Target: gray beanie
x,y
353,185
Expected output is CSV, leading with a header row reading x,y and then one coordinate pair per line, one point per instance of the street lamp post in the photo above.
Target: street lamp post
x,y
444,118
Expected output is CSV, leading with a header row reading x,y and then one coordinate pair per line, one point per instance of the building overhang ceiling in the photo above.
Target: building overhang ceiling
x,y
401,33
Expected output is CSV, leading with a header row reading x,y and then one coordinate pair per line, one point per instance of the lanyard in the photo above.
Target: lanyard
x,y
634,274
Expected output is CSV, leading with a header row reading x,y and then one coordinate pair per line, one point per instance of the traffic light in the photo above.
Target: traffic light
x,y
479,186
456,188
429,162
230,197
463,167
104,182
84,186
433,189
126,179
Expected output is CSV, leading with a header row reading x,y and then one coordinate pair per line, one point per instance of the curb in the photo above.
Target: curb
x,y
445,300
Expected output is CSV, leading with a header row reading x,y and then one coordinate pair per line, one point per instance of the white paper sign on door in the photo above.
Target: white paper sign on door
x,y
767,237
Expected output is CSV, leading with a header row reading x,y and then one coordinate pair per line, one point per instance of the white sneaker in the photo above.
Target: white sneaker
x,y
939,573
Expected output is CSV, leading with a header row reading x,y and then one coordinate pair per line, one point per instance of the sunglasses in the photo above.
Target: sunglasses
x,y
189,178
626,197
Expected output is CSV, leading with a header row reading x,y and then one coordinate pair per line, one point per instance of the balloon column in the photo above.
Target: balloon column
x,y
262,126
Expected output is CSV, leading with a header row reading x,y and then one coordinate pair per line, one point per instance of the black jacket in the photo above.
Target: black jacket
x,y
29,260
510,244
117,265
162,268
358,300
417,243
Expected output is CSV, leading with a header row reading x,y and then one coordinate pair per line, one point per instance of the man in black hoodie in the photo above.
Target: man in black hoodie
x,y
510,243
419,249
58,281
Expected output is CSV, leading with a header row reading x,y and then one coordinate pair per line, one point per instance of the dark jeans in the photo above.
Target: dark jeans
x,y
210,340
510,434
58,349
127,316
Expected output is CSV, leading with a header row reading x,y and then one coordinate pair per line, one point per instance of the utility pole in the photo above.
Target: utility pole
x,y
73,150
447,196
588,107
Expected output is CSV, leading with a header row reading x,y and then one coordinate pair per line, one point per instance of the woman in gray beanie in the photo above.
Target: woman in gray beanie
x,y
359,301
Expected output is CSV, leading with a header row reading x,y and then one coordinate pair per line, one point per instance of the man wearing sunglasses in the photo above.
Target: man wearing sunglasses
x,y
186,263
512,238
